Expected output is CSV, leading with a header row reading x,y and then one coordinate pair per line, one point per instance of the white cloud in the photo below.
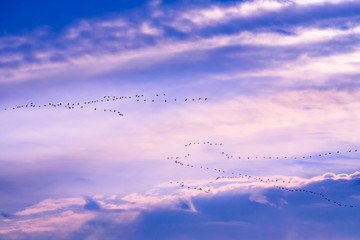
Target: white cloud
x,y
136,202
260,198
62,222
52,205
155,3
317,2
300,36
115,23
74,32
146,28
220,14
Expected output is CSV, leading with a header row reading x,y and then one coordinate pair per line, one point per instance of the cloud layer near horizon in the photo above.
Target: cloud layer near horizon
x,y
100,216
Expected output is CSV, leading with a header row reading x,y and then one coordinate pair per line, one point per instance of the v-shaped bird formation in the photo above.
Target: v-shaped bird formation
x,y
278,183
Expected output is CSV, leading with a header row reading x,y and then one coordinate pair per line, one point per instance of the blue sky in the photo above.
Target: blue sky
x,y
99,99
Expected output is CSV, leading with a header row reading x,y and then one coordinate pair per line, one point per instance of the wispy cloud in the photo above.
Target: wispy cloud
x,y
164,49
305,70
52,205
220,14
217,14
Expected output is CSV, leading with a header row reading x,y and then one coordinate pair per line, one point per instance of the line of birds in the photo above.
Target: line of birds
x,y
303,156
268,181
208,190
245,176
66,106
182,184
230,156
233,174
82,104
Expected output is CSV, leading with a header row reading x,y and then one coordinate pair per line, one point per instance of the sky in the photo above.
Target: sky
x,y
180,119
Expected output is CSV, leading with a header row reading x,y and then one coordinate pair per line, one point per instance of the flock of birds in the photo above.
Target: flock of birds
x,y
276,183
229,156
106,99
